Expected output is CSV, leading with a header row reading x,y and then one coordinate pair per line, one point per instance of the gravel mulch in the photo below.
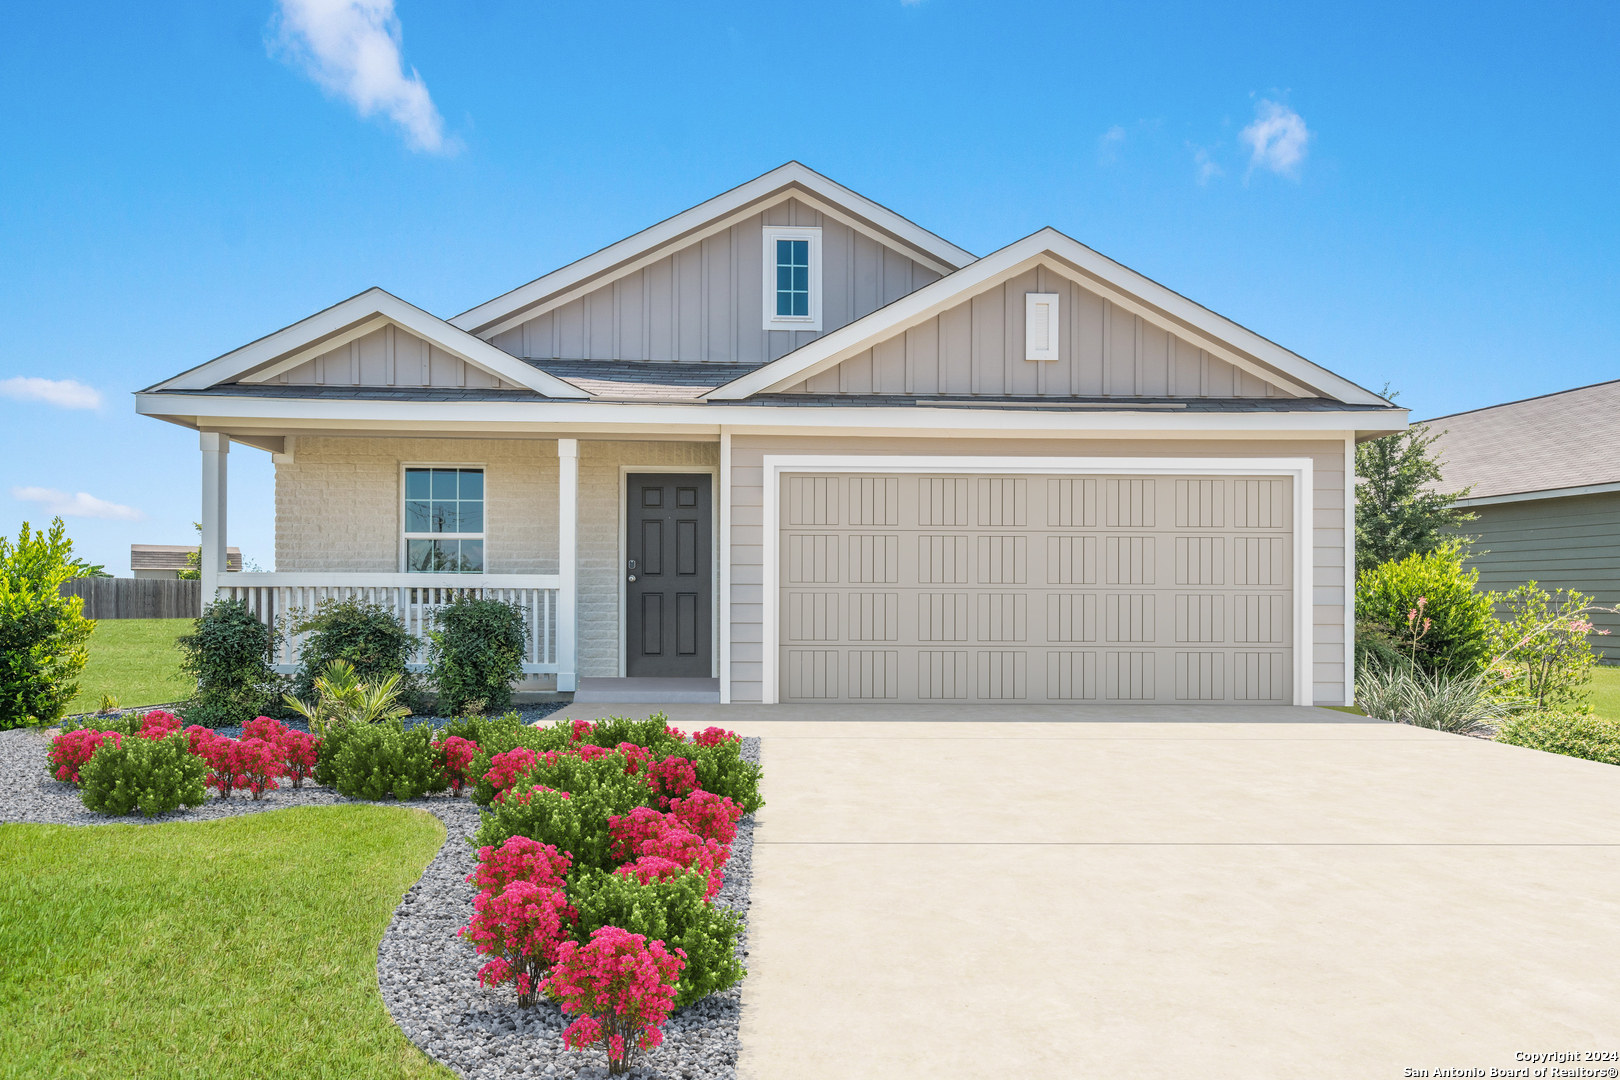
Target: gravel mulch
x,y
427,974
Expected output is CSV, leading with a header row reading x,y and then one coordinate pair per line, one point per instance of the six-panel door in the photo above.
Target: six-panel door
x,y
1036,588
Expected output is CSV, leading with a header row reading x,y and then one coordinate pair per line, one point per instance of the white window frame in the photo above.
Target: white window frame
x,y
773,321
1054,325
406,537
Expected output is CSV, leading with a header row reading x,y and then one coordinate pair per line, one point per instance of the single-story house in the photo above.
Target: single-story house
x,y
167,560
789,446
1538,476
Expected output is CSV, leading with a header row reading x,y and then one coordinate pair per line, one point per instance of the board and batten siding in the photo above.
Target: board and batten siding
x,y
1567,543
391,356
703,302
749,529
977,347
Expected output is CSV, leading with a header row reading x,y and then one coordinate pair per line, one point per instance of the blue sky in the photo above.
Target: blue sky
x,y
1428,200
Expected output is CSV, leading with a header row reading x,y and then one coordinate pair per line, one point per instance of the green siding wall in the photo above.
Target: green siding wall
x,y
1570,543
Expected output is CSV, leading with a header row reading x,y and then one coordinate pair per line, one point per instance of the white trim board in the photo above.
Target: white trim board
x,y
713,472
792,180
347,320
1300,470
1090,270
1532,496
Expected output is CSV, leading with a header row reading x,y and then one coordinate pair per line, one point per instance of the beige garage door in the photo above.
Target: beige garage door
x,y
1035,588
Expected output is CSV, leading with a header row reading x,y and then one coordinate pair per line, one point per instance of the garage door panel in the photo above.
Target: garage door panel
x,y
1036,588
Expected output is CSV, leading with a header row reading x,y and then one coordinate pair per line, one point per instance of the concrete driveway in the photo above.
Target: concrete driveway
x,y
1168,892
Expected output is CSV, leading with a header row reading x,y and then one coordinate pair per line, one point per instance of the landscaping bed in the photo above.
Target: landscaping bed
x,y
427,970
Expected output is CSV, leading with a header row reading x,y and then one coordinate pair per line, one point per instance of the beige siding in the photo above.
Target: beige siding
x,y
599,515
748,531
338,503
977,347
704,302
388,357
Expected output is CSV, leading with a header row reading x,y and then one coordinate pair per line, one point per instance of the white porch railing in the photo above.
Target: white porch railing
x,y
414,598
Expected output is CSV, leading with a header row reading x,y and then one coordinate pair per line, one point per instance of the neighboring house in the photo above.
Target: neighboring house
x,y
788,446
167,560
1547,492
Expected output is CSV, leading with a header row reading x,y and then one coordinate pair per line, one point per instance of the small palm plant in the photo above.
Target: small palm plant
x,y
342,699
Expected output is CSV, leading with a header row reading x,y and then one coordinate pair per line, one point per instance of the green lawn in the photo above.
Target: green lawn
x,y
1605,688
239,947
134,660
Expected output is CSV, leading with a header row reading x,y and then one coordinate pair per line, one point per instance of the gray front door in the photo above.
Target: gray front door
x,y
669,576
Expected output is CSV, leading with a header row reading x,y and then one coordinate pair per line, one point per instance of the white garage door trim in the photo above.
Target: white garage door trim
x,y
1297,468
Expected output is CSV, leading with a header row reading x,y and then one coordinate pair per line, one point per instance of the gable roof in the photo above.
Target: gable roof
x,y
792,180
1126,288
1542,444
353,318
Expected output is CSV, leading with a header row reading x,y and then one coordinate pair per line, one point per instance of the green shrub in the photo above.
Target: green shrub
x,y
42,633
596,791
1579,735
152,775
228,653
498,735
476,655
1460,704
366,636
370,761
1458,639
1541,647
722,770
653,733
671,911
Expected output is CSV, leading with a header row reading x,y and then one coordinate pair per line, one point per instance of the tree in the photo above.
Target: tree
x,y
1400,510
42,632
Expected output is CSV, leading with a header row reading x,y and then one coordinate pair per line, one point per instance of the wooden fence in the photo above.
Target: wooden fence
x,y
137,598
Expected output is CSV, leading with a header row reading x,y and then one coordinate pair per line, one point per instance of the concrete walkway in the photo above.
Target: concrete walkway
x,y
1167,892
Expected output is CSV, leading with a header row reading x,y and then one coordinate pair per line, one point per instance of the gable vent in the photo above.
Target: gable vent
x,y
1040,326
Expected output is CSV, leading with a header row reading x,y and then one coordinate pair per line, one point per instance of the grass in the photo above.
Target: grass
x,y
245,946
134,660
1605,687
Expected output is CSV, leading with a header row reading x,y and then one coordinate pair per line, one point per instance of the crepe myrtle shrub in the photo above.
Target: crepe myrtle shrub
x,y
42,632
575,822
455,757
713,817
150,775
476,653
621,988
298,751
1576,734
654,734
376,760
71,750
654,846
672,910
520,859
368,636
1458,638
520,927
228,654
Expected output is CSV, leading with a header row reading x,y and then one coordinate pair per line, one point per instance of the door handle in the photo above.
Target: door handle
x,y
632,577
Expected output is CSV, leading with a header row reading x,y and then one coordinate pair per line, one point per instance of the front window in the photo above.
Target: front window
x,y
444,521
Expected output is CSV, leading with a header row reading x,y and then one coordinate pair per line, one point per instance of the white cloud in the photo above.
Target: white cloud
x,y
1108,144
61,504
1277,137
351,48
63,393
1207,169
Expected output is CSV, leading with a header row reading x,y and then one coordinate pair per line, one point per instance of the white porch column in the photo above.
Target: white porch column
x,y
215,446
725,566
567,564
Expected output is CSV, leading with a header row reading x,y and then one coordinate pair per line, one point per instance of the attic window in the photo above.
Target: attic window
x,y
792,284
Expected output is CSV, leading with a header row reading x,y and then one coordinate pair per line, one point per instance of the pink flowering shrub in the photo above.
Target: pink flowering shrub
x,y
267,728
658,846
158,724
72,750
713,736
520,927
199,737
456,756
622,989
505,768
246,764
711,816
674,732
260,763
520,859
671,778
592,753
635,757
582,730
299,754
